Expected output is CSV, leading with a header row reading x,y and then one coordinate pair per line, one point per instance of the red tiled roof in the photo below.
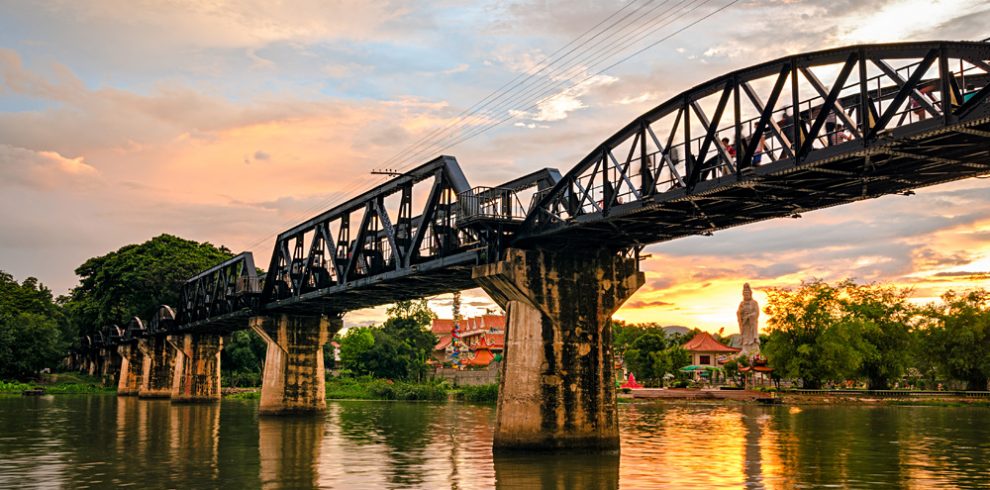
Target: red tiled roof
x,y
494,340
442,326
494,321
704,342
759,369
444,342
482,357
474,324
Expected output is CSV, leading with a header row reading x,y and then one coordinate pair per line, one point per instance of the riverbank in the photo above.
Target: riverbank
x,y
848,397
58,384
365,388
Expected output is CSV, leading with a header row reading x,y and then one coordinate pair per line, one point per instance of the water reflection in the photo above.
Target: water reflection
x,y
556,471
104,441
411,445
289,450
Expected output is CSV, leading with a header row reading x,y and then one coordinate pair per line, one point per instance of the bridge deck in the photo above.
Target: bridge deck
x,y
915,114
924,154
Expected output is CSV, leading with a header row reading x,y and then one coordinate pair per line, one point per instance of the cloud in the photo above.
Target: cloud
x,y
142,115
43,170
461,68
980,274
557,106
648,304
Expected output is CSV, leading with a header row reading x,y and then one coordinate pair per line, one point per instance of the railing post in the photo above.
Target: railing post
x,y
737,105
796,137
864,100
945,87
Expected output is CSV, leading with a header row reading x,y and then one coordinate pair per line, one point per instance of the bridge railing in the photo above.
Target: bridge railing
x,y
390,230
777,111
220,290
490,204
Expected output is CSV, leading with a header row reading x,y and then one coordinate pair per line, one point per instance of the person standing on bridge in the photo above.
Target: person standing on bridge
x,y
830,126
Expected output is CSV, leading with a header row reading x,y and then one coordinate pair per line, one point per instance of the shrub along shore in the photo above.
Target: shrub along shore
x,y
58,384
368,388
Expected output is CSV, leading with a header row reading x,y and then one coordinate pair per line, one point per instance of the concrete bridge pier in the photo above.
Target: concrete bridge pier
x,y
91,364
158,368
557,389
197,367
130,369
294,378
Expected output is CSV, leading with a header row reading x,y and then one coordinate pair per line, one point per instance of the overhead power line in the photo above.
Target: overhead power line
x,y
553,75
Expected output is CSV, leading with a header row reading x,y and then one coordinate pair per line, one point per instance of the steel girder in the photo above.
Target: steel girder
x,y
342,259
666,174
228,288
162,322
914,114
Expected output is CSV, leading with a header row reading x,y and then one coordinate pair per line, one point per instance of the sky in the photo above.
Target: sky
x,y
228,122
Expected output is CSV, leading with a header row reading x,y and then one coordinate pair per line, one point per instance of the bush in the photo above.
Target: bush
x,y
244,395
480,394
14,387
348,388
59,384
681,384
367,388
388,390
241,380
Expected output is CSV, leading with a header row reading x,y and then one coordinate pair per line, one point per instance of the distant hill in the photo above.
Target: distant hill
x,y
675,329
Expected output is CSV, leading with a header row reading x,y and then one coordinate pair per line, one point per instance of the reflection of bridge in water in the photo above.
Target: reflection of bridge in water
x,y
801,133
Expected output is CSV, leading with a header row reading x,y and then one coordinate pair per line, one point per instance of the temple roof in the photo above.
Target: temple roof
x,y
444,342
442,326
704,342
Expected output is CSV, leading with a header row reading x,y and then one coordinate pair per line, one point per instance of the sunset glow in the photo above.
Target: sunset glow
x,y
228,122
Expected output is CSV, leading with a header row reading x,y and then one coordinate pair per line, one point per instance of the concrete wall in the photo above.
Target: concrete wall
x,y
472,377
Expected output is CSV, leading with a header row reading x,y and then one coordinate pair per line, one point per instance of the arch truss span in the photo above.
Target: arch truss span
x,y
221,296
399,240
162,322
791,135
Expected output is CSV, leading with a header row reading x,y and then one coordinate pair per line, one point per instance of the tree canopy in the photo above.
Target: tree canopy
x,y
957,337
136,279
821,332
398,349
30,335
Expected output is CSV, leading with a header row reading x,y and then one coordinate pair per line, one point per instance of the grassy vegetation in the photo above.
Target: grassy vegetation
x,y
367,388
244,395
479,394
58,384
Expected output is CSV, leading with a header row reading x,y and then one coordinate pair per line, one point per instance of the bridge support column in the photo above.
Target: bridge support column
x,y
557,388
107,366
294,379
130,369
159,367
92,363
197,368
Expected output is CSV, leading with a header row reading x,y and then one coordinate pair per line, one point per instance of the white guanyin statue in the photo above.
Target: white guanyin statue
x,y
748,316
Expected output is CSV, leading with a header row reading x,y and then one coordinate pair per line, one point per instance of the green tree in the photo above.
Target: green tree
x,y
418,312
957,337
804,339
30,336
353,346
243,357
641,357
879,315
669,360
398,349
136,279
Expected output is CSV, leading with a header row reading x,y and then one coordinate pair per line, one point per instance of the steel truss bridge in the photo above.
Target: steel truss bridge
x,y
804,132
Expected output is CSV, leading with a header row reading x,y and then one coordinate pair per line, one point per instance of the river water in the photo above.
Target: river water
x,y
105,441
